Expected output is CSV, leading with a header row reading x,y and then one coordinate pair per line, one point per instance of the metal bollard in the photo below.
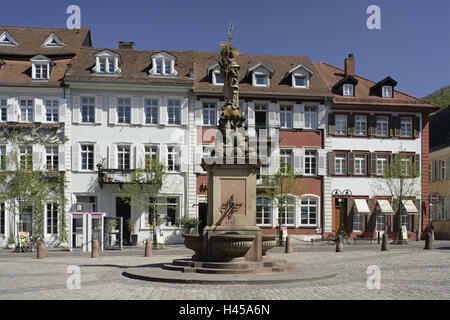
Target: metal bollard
x,y
432,235
288,248
95,253
41,250
148,248
378,237
339,244
428,241
385,243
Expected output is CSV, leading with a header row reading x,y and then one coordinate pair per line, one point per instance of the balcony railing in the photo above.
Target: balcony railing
x,y
119,176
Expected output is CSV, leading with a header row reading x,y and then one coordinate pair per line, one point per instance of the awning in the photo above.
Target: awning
x,y
410,207
385,207
361,206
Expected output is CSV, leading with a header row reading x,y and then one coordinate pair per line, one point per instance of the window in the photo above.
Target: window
x,y
3,110
172,206
209,114
287,212
51,155
41,71
174,111
260,116
87,157
406,220
218,80
26,157
361,125
261,79
348,90
360,164
7,39
26,110
52,218
52,110
442,170
2,218
387,92
263,211
91,200
310,162
405,127
173,159
163,67
382,164
286,160
406,165
311,117
151,111
300,81
150,155
124,110
106,64
123,157
341,163
87,110
286,117
341,124
381,221
309,211
27,220
3,158
382,126
358,222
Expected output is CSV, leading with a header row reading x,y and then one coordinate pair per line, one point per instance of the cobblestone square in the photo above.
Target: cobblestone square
x,y
407,272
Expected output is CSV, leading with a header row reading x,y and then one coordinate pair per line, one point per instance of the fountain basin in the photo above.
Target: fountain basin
x,y
268,242
194,242
232,245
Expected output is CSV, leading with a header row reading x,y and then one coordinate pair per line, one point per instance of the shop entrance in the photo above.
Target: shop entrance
x,y
123,210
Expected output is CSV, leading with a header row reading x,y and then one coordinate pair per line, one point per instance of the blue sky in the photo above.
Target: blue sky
x,y
412,46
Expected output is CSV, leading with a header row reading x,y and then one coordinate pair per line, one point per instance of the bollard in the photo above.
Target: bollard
x,y
41,250
385,242
428,241
432,235
339,244
288,248
148,248
378,237
94,249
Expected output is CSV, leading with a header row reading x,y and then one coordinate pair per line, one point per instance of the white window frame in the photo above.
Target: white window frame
x,y
382,163
216,75
163,61
286,117
308,198
173,159
151,153
341,158
174,111
26,153
387,91
151,105
358,222
360,164
110,61
38,63
209,113
50,216
52,158
291,204
286,156
52,110
3,109
27,110
406,127
90,154
381,220
87,109
311,117
124,110
348,90
341,124
382,126
267,210
124,156
360,125
308,166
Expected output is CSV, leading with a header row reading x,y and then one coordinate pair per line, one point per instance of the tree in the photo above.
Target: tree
x,y
401,180
279,187
143,188
24,187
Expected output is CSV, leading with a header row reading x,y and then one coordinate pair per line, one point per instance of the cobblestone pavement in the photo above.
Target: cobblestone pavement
x,y
407,272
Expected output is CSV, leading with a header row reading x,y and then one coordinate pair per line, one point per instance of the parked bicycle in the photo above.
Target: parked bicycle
x,y
331,239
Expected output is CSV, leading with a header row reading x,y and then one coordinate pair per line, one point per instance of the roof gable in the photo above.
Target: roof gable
x,y
53,41
7,39
263,65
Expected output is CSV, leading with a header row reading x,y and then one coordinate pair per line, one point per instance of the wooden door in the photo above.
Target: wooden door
x,y
337,218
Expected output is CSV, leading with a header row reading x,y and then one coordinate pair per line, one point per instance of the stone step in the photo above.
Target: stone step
x,y
183,262
172,267
233,265
233,271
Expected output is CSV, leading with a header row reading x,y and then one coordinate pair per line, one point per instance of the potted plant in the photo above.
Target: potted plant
x,y
130,225
11,242
189,225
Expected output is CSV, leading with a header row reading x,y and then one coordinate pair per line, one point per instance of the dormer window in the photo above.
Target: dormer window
x,y
348,90
261,74
7,39
53,41
387,91
300,76
40,68
214,71
107,62
163,65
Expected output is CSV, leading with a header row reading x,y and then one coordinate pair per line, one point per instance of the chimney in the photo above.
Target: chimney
x,y
126,44
350,65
